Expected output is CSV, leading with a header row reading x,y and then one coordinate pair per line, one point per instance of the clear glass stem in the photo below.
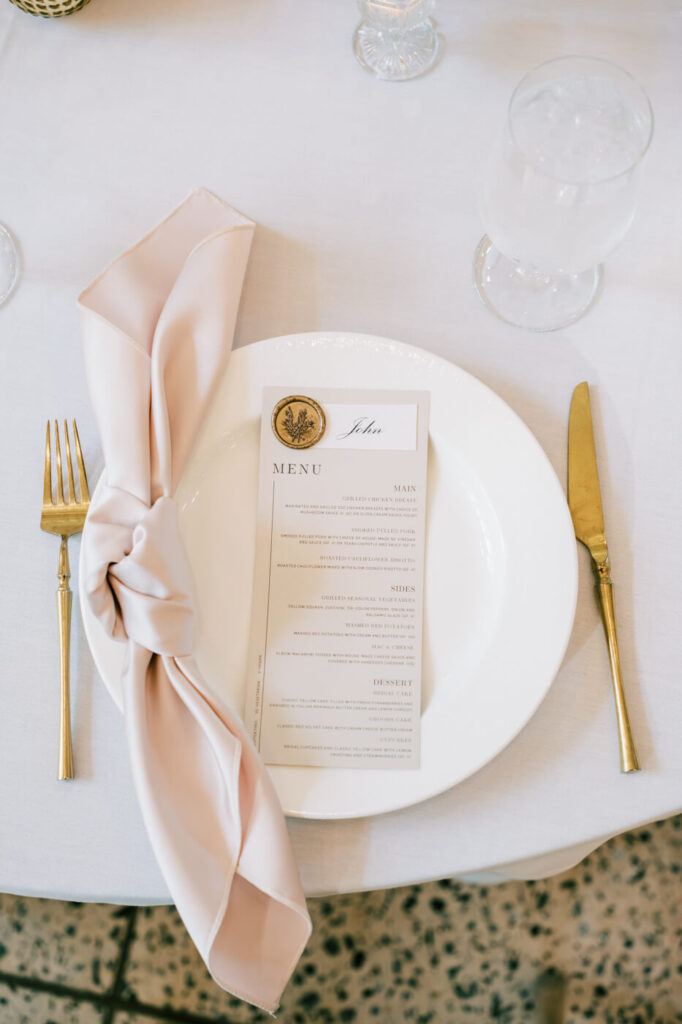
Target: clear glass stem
x,y
527,297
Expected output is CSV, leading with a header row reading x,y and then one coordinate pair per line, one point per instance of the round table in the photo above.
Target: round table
x,y
363,193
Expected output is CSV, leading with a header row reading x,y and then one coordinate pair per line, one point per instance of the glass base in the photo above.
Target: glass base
x,y
9,264
525,297
397,56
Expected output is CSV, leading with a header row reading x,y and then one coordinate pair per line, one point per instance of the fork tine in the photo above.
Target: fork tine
x,y
69,466
47,481
85,493
60,486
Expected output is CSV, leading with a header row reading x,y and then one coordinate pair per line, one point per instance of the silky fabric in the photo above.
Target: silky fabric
x,y
157,328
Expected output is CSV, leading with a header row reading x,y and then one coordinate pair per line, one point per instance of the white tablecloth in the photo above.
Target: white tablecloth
x,y
364,196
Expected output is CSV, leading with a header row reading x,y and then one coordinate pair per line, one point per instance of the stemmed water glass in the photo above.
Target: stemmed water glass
x,y
559,190
396,39
9,264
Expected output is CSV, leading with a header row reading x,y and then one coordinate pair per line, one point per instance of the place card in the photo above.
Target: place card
x,y
334,675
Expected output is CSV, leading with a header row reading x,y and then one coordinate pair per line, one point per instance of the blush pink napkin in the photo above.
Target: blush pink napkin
x,y
157,329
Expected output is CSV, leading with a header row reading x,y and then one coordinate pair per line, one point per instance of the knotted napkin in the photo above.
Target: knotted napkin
x,y
157,329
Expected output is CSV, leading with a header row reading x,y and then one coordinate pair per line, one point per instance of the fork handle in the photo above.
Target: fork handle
x,y
628,754
64,597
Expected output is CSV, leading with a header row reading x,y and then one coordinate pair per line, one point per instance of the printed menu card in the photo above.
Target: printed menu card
x,y
334,674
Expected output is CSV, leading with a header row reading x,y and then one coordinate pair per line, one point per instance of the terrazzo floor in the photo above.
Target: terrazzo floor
x,y
609,931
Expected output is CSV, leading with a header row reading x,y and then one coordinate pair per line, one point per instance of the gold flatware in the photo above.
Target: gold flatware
x,y
584,499
64,517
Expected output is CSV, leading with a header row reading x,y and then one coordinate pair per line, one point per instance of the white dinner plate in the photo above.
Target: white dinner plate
x,y
496,621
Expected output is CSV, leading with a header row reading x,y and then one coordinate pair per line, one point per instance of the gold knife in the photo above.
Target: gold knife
x,y
584,500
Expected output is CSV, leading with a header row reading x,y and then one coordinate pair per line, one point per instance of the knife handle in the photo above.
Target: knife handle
x,y
628,754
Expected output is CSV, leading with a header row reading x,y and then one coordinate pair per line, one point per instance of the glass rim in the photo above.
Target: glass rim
x,y
596,60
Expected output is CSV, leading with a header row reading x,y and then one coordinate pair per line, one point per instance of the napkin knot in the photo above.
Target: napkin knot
x,y
137,574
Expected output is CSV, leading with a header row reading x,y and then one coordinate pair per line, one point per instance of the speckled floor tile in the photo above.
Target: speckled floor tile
x,y
131,1017
140,1017
445,952
75,944
21,1006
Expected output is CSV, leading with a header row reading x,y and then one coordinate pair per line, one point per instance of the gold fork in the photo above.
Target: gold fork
x,y
64,518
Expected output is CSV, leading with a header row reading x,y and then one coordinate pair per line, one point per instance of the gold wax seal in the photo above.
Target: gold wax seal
x,y
298,421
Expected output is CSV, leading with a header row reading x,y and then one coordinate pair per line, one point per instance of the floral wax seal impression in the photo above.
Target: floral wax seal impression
x,y
298,421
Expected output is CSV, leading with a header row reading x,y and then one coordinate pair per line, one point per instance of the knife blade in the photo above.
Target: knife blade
x,y
584,501
584,495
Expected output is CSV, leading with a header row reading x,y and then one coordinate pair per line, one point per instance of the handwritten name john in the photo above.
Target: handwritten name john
x,y
363,425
